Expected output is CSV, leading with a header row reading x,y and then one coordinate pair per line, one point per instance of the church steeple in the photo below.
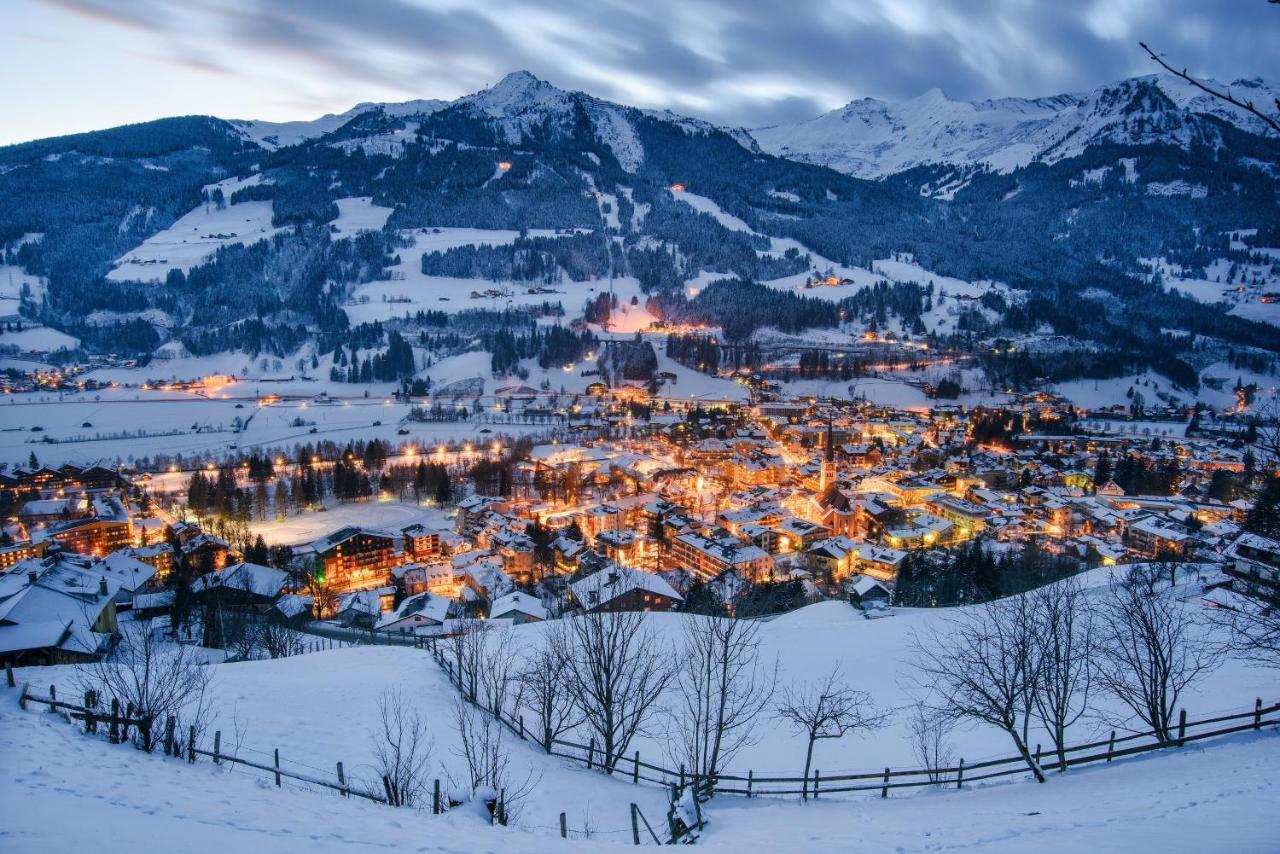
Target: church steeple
x,y
827,475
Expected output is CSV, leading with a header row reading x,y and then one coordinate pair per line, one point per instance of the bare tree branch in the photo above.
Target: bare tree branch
x,y
827,709
1247,106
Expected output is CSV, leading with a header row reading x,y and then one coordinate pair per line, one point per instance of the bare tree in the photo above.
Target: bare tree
x,y
984,665
1253,633
495,653
722,688
544,689
827,709
278,640
1148,649
465,649
156,678
1064,631
616,670
487,763
402,748
929,733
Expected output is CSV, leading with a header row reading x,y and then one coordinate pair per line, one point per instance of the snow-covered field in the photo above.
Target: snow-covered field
x,y
132,423
386,515
320,708
196,236
38,339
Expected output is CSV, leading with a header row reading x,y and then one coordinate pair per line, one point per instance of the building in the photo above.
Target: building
x,y
518,608
416,612
52,611
420,543
350,558
1254,561
616,588
96,536
706,557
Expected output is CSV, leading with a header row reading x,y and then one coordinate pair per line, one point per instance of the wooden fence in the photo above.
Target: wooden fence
x,y
185,747
750,785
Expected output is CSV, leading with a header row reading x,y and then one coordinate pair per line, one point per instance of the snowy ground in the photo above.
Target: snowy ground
x,y
196,236
132,423
319,708
38,339
387,515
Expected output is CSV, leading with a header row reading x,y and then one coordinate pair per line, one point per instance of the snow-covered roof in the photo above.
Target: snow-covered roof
x,y
614,581
518,602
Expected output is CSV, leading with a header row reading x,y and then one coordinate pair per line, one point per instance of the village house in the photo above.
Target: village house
x,y
616,588
518,609
53,611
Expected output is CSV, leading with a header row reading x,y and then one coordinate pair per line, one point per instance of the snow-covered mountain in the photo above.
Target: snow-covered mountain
x,y
871,138
514,106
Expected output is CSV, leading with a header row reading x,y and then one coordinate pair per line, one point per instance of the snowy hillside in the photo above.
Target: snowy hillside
x,y
1186,799
871,138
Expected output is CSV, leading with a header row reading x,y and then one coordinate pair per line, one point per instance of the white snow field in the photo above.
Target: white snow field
x,y
319,708
197,235
128,424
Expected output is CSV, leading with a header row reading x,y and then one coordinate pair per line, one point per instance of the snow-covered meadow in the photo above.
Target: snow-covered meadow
x,y
320,708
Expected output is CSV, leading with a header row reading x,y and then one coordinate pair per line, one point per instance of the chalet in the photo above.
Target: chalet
x,y
1155,536
54,612
160,556
867,594
616,588
362,609
518,608
43,511
208,553
420,611
242,584
293,609
1254,560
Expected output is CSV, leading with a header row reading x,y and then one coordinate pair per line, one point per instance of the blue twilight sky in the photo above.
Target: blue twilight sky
x,y
72,65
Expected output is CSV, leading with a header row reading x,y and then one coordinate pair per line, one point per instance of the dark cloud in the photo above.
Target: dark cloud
x,y
734,61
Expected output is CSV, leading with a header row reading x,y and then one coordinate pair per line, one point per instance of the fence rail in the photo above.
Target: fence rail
x,y
187,750
750,785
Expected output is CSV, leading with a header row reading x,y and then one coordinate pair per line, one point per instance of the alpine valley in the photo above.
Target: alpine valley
x,y
1125,234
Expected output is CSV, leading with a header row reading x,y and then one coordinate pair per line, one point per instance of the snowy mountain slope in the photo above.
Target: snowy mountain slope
x,y
871,138
515,106
272,135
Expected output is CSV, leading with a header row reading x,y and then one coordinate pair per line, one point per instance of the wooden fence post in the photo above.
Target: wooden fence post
x,y
1257,712
115,720
960,773
884,790
170,748
342,782
681,775
1182,727
522,726
564,827
591,752
88,712
53,698
191,744
817,777
750,779
635,826
8,674
435,798
1111,745
635,773
22,698
1037,753
217,747
277,758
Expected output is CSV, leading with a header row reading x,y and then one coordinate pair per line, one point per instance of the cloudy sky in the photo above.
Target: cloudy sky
x,y
71,65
